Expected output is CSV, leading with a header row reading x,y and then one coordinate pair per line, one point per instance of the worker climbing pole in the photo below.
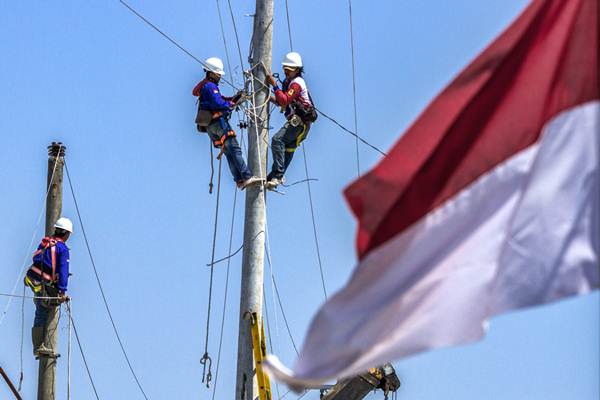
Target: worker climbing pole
x,y
48,276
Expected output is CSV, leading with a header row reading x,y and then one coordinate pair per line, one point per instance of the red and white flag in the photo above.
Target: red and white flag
x,y
488,203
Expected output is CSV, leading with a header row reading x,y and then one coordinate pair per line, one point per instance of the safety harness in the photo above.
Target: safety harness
x,y
36,277
206,117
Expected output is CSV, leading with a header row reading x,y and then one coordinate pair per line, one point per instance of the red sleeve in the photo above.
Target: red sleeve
x,y
196,90
285,98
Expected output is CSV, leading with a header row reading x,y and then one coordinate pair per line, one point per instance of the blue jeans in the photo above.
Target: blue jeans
x,y
41,313
283,145
232,150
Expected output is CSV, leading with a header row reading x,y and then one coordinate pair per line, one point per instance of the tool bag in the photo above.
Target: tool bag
x,y
307,113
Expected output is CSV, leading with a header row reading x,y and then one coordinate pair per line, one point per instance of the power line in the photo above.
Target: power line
x,y
180,47
354,85
37,226
287,14
314,224
351,132
87,244
87,368
205,358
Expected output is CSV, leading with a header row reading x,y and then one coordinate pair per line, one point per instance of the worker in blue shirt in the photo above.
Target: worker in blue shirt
x,y
48,276
214,111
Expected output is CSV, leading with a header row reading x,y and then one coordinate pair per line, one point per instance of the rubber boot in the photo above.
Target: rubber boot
x,y
37,338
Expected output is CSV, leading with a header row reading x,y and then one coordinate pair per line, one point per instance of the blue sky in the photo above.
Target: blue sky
x,y
119,96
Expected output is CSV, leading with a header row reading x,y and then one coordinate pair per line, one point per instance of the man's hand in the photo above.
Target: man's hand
x,y
237,96
62,297
271,80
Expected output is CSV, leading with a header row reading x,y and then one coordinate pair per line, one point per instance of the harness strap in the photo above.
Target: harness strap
x,y
53,258
41,273
221,141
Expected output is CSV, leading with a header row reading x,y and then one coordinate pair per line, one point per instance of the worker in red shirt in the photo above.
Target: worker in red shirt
x,y
300,113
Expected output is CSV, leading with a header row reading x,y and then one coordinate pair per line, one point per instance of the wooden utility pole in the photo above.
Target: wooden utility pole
x,y
254,224
47,368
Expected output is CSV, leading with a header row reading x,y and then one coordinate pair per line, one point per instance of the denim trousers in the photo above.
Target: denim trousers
x,y
283,145
233,152
41,313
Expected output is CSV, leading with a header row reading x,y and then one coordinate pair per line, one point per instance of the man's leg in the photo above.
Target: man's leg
x,y
215,131
39,326
235,159
285,138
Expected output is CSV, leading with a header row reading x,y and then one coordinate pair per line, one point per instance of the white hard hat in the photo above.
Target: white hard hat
x,y
214,64
292,59
64,224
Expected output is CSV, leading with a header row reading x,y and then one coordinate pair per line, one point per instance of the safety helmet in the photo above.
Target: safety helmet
x,y
214,64
65,224
292,59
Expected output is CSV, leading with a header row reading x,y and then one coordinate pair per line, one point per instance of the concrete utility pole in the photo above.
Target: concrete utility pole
x,y
254,224
47,369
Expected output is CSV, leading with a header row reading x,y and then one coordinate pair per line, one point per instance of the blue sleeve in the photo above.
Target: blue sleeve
x,y
212,99
62,266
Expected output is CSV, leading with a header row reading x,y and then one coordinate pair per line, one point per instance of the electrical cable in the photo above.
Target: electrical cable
x,y
314,224
104,299
354,86
206,358
85,363
350,132
37,226
310,199
22,339
170,39
287,14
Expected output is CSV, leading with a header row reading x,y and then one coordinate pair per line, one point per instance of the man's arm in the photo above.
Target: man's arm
x,y
62,266
285,98
215,101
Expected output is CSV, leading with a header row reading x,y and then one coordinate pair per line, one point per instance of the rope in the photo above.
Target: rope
x,y
87,368
287,14
225,295
354,85
237,38
314,224
350,132
307,180
206,361
22,338
140,16
37,227
69,324
287,326
112,321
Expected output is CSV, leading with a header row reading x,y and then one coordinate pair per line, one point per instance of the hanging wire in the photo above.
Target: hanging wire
x,y
287,14
310,200
225,294
351,132
37,226
87,368
140,16
354,86
314,224
206,361
269,337
22,339
104,299
69,325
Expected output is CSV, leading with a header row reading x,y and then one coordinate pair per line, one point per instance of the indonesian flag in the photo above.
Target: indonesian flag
x,y
488,203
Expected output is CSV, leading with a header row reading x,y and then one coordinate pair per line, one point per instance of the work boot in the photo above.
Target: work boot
x,y
274,182
248,182
37,339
